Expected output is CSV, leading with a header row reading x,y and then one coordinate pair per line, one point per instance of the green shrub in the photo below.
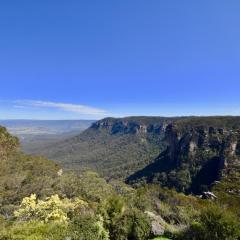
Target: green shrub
x,y
112,208
87,227
132,225
214,223
34,231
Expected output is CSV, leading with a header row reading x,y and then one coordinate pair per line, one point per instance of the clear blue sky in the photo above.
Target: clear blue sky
x,y
92,58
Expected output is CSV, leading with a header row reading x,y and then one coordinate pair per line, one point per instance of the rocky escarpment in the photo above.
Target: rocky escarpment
x,y
133,125
195,157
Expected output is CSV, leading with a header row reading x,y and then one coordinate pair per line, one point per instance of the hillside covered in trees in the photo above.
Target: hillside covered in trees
x,y
39,200
187,153
115,148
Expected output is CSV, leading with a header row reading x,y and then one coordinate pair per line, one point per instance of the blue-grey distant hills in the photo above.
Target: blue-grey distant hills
x,y
21,127
35,134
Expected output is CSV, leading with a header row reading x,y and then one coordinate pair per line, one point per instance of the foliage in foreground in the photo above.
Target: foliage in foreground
x,y
214,223
119,218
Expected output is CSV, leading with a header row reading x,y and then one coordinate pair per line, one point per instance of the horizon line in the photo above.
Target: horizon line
x,y
130,116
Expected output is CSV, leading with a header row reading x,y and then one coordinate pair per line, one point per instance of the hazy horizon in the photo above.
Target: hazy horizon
x,y
130,116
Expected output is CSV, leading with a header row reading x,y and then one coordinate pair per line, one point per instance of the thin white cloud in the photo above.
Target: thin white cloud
x,y
75,108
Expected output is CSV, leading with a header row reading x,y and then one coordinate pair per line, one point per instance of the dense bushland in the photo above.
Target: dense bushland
x,y
39,201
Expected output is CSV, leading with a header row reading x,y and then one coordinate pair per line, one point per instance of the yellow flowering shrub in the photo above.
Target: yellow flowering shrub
x,y
51,209
27,208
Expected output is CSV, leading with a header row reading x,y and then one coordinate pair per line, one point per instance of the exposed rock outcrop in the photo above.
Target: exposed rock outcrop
x,y
158,224
194,158
131,125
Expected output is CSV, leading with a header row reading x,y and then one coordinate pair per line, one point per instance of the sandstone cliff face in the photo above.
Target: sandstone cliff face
x,y
194,158
128,126
215,142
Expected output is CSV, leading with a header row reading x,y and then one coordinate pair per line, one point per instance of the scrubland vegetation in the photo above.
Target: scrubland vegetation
x,y
39,201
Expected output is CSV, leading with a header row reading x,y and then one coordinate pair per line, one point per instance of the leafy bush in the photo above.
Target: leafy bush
x,y
87,227
112,208
214,223
132,225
